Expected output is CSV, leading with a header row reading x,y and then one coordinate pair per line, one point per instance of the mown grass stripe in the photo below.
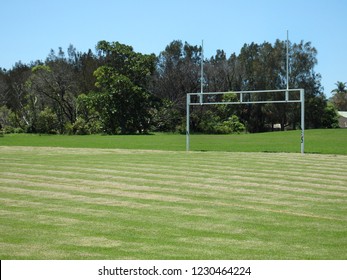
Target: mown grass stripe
x,y
91,203
202,170
234,189
335,188
220,183
315,180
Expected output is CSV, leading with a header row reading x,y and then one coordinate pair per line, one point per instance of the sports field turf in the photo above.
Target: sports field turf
x,y
77,203
322,141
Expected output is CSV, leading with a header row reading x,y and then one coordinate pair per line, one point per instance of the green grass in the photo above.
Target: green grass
x,y
61,201
73,203
324,141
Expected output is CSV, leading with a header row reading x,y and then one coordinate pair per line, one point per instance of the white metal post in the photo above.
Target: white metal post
x,y
287,58
302,98
202,72
187,124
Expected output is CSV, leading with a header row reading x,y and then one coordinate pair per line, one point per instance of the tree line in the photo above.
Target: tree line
x,y
116,90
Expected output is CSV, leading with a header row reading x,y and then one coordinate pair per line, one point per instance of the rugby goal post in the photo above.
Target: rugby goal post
x,y
245,97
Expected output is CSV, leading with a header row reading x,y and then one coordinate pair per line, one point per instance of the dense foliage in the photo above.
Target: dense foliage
x,y
339,98
116,90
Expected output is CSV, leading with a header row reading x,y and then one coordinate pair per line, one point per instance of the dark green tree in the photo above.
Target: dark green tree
x,y
177,73
123,99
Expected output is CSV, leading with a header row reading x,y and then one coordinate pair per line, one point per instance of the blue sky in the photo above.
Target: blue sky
x,y
30,28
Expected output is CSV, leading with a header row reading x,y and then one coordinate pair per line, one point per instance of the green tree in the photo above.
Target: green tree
x,y
302,75
330,118
123,100
339,98
263,67
55,84
177,73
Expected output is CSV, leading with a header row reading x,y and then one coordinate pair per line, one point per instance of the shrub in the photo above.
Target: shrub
x,y
234,124
213,125
7,117
330,117
83,127
47,122
18,130
80,127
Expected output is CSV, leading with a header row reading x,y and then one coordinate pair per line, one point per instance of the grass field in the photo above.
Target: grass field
x,y
76,203
322,141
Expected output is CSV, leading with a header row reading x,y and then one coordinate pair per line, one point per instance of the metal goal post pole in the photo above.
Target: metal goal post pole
x,y
187,124
302,99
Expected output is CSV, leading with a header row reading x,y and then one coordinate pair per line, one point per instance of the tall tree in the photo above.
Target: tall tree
x,y
261,68
15,94
339,97
3,87
177,73
303,59
123,99
55,84
218,72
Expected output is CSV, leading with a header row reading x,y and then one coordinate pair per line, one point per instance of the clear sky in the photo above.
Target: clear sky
x,y
31,28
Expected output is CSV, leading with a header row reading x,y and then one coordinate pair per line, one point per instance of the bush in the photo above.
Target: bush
x,y
8,129
80,127
47,122
166,117
330,117
234,124
221,128
68,129
6,120
213,125
18,130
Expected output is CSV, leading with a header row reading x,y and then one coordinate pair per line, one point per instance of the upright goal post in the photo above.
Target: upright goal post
x,y
243,99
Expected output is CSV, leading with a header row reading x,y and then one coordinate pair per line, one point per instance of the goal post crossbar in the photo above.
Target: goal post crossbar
x,y
240,95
